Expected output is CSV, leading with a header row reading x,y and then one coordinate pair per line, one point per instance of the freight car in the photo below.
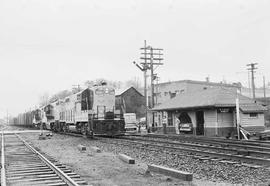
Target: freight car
x,y
91,111
23,119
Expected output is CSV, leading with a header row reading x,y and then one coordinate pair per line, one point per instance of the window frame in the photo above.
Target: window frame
x,y
253,115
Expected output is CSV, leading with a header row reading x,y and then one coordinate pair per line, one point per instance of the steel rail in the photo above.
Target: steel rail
x,y
68,180
204,139
253,146
3,166
242,158
252,150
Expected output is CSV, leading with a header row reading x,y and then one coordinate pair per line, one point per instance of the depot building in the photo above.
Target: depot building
x,y
210,112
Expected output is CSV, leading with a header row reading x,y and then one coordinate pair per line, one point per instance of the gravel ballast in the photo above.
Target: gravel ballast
x,y
105,168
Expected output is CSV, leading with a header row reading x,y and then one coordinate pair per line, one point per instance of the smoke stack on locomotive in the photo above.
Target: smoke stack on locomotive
x,y
91,111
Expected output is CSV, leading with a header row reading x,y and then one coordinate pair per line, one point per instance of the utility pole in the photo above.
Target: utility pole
x,y
145,67
252,70
7,118
249,87
238,122
149,56
264,91
157,80
152,58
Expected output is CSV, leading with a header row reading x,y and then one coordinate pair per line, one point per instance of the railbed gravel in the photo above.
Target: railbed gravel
x,y
201,169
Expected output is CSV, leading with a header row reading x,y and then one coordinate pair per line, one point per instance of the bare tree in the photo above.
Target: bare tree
x,y
134,82
44,99
89,83
115,84
60,95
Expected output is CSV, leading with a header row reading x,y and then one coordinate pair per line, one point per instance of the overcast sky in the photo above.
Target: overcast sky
x,y
47,46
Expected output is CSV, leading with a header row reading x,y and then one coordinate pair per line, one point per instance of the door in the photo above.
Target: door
x,y
200,123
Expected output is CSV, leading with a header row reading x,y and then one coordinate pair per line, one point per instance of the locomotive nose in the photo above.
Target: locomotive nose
x,y
111,126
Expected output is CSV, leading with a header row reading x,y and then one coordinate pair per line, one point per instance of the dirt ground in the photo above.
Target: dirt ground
x,y
105,168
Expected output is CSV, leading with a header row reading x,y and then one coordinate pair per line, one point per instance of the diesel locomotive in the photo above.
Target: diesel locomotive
x,y
90,112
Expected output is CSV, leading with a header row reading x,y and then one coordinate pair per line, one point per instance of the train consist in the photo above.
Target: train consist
x,y
91,111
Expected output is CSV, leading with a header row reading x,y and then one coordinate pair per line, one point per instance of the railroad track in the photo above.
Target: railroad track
x,y
253,149
24,165
248,153
212,140
201,151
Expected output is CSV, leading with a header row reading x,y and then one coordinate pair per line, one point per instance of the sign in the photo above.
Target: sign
x,y
224,110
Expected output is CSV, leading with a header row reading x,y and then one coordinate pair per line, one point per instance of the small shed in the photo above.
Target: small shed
x,y
130,100
212,112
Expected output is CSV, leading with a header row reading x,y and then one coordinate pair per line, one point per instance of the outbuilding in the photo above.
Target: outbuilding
x,y
130,100
211,112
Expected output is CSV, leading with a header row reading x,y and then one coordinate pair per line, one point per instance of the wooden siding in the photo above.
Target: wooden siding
x,y
247,121
132,101
225,120
210,118
220,124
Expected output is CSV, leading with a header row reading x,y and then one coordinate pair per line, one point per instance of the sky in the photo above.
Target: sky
x,y
48,46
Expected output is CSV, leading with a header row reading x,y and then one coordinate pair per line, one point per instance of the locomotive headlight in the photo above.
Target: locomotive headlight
x,y
106,90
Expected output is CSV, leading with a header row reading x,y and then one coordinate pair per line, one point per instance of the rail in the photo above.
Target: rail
x,y
69,181
209,151
3,167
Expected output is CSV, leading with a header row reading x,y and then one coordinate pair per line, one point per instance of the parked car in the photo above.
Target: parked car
x,y
186,127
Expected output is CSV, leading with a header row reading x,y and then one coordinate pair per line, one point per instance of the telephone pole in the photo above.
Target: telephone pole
x,y
252,68
264,91
151,58
157,80
7,118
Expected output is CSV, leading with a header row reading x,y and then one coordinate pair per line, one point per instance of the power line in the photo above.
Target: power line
x,y
152,58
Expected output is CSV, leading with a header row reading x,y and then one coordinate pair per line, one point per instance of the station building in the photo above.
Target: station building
x,y
168,90
212,112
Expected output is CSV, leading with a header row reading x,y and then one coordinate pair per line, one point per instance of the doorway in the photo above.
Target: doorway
x,y
200,123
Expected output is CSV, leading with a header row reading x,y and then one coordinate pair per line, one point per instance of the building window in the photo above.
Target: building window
x,y
165,93
170,119
78,97
253,115
172,95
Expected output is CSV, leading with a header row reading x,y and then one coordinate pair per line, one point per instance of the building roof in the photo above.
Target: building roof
x,y
209,98
202,82
119,92
248,108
